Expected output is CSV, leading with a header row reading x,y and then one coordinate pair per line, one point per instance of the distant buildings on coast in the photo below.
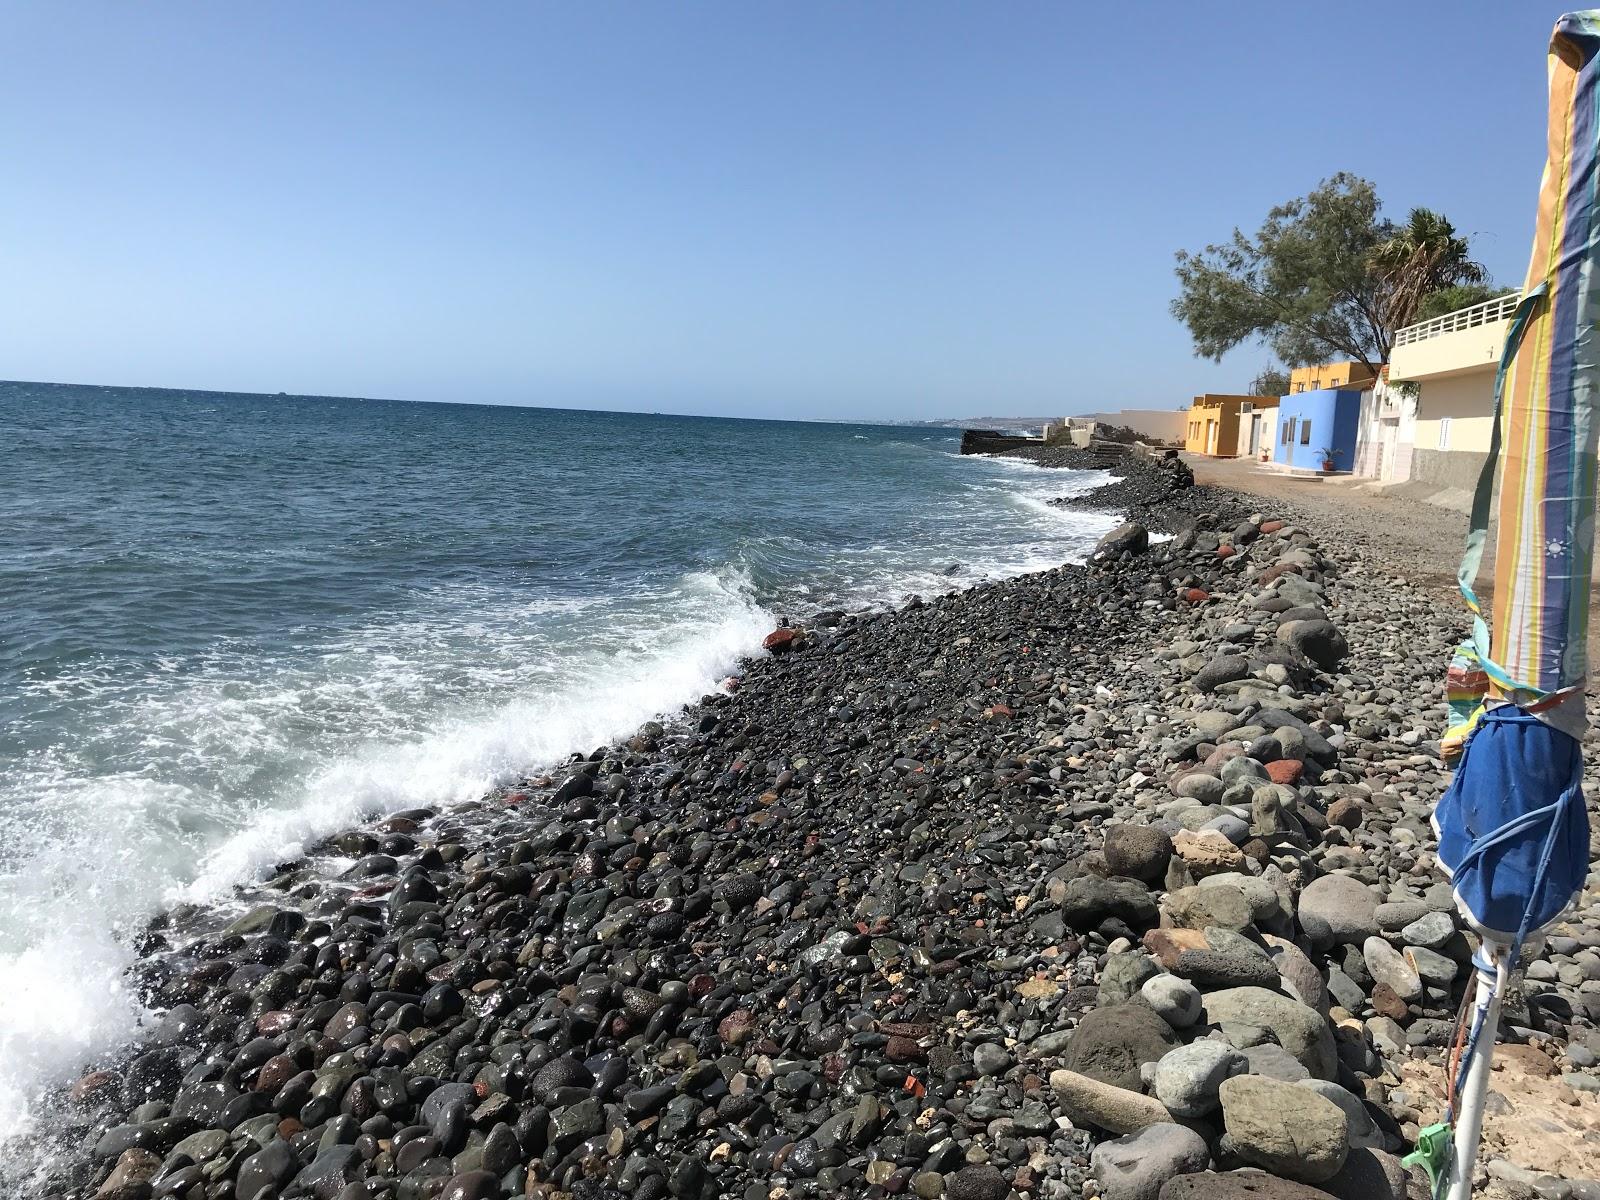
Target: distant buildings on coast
x,y
1426,416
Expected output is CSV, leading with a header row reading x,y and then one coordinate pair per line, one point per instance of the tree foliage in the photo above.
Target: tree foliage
x,y
1461,295
1324,278
1271,381
1421,258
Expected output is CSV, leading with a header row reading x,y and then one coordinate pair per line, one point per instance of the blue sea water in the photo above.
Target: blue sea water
x,y
233,624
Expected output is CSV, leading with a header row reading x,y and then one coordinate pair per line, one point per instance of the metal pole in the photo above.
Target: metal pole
x,y
1492,976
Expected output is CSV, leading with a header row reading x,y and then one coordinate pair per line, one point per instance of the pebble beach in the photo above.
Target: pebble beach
x,y
1112,880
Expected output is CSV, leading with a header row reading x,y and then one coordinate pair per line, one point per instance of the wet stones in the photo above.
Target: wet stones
x,y
833,926
1127,538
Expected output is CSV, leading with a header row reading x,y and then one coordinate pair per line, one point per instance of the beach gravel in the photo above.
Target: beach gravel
x,y
934,902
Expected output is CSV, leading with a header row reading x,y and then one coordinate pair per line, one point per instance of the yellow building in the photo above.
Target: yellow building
x,y
1213,422
1349,375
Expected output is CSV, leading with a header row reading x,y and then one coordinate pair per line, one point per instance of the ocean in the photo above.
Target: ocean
x,y
233,624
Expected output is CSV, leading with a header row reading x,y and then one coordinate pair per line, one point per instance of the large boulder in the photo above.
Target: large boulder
x,y
1338,910
1116,1110
1123,976
1135,1167
1229,668
1113,1042
1238,1185
1194,908
1138,851
1089,900
1369,1174
1129,536
1319,640
1364,1130
1289,1130
1188,1078
1298,1029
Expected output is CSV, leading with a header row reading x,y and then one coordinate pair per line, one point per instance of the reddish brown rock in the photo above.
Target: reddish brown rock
x,y
905,1050
735,1028
1285,771
269,1023
1165,945
130,1178
1386,1002
275,1072
1345,812
93,1085
780,640
1532,1060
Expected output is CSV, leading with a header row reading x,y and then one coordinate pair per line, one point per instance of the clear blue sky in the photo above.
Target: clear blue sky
x,y
764,209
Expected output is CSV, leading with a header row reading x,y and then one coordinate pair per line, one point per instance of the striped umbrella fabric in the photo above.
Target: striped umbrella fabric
x,y
1544,436
1513,827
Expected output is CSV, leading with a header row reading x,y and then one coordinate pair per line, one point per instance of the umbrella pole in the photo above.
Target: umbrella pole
x,y
1475,1088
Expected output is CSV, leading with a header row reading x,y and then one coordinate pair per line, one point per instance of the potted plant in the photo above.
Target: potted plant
x,y
1330,457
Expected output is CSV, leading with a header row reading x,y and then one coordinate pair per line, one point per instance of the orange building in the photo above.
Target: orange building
x,y
1213,423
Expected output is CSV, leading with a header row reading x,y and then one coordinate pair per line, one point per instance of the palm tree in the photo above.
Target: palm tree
x,y
1418,258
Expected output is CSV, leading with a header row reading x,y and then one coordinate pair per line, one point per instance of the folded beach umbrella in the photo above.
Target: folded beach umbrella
x,y
1513,831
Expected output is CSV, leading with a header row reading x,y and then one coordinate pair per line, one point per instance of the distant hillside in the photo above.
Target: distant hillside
x,y
993,422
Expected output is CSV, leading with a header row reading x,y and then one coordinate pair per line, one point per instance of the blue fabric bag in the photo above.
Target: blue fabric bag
x,y
1513,830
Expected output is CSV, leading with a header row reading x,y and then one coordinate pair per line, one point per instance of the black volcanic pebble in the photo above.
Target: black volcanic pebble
x,y
766,941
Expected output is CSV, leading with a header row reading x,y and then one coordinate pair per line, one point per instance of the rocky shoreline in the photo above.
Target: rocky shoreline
x,y
1108,881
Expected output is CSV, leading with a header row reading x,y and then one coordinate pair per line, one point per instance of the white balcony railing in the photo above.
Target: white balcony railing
x,y
1487,313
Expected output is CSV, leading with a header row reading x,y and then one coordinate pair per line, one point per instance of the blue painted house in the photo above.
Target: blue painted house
x,y
1310,423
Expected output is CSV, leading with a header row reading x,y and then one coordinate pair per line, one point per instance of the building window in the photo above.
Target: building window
x,y
1305,434
1444,433
1288,430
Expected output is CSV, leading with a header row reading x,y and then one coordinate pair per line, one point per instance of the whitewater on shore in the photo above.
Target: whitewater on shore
x,y
229,651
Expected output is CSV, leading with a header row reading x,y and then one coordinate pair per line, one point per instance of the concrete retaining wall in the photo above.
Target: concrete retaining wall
x,y
1447,468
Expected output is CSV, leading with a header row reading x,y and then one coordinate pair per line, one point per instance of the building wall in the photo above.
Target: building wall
x,y
1210,428
1328,375
1455,413
1256,426
1165,425
1385,434
1331,415
1447,468
1220,413
1464,350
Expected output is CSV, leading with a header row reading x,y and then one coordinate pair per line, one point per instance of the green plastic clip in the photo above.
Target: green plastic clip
x,y
1435,1144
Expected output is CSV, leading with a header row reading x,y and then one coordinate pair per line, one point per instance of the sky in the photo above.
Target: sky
x,y
915,209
